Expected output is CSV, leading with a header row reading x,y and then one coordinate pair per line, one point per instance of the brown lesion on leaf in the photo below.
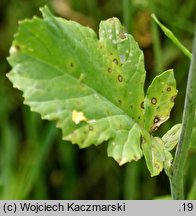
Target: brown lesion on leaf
x,y
157,121
120,78
157,165
17,47
122,35
154,128
168,89
153,100
142,140
158,107
119,101
142,105
109,70
135,158
173,98
72,65
115,61
85,132
14,49
101,47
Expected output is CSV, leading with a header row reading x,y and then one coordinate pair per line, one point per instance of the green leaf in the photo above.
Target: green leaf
x,y
171,138
159,100
93,88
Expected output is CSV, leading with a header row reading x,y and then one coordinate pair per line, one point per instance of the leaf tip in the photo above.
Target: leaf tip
x,y
45,11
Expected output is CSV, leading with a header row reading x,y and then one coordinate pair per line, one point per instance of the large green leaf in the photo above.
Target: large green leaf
x,y
93,88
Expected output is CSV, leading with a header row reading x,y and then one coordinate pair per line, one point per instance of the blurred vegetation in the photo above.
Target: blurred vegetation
x,y
35,163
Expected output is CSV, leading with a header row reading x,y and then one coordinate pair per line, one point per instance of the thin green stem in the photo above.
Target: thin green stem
x,y
172,37
177,172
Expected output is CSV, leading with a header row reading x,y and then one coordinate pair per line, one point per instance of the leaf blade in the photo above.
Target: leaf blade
x,y
67,89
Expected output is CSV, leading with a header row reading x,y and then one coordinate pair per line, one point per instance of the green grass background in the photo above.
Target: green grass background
x,y
35,163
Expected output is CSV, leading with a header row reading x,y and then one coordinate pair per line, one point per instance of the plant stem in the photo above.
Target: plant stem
x,y
172,37
127,14
177,172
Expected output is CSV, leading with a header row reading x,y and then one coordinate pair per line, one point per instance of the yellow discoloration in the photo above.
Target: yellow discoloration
x,y
13,50
78,117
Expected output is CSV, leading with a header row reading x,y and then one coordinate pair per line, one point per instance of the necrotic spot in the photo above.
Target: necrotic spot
x,y
169,89
135,157
173,98
109,70
155,128
153,100
115,61
156,119
122,35
142,105
17,47
14,49
120,78
71,64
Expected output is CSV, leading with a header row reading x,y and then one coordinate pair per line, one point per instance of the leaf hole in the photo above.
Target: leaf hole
x,y
72,64
173,98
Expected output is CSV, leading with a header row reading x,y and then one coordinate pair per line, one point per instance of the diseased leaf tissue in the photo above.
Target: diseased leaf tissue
x,y
93,88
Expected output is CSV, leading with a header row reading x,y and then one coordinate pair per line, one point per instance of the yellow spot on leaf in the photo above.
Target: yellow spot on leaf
x,y
77,117
13,50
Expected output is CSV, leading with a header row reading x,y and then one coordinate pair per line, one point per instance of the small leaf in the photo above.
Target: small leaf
x,y
159,100
171,138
